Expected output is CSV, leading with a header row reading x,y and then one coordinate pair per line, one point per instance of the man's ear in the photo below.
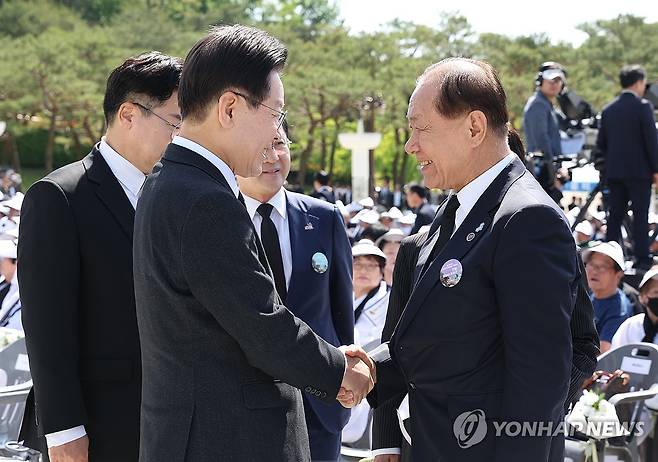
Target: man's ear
x,y
227,109
126,114
477,126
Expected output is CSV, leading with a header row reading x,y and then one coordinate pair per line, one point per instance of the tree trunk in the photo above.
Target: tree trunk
x,y
50,146
369,126
77,146
334,145
403,169
396,160
323,134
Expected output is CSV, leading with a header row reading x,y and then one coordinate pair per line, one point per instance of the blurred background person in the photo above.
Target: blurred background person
x,y
321,188
628,142
10,310
418,201
389,244
604,264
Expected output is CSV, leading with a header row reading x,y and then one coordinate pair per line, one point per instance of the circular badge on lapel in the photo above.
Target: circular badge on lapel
x,y
319,262
451,273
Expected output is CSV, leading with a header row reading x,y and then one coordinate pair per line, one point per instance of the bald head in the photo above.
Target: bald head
x,y
465,85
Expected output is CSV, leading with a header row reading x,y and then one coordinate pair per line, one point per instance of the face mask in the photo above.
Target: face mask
x,y
652,305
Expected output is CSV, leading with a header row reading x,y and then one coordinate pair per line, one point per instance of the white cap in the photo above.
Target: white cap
x,y
600,215
652,273
8,249
11,234
367,216
550,74
392,235
367,202
585,227
353,207
367,247
408,219
395,213
611,249
15,202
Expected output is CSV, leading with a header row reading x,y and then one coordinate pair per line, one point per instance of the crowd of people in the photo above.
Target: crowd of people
x,y
187,306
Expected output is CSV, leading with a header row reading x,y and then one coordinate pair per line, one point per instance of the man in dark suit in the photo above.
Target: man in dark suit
x,y
222,357
494,285
629,144
311,260
76,275
417,199
321,188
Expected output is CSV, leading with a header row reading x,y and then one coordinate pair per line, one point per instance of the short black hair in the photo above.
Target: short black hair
x,y
631,74
420,191
229,57
322,177
461,90
151,77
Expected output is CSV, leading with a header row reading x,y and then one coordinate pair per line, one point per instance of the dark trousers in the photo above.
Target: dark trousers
x,y
638,192
325,446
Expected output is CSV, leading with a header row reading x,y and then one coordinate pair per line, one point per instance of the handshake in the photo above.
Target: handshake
x,y
360,376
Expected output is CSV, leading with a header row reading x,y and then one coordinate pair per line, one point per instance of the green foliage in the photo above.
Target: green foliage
x,y
56,55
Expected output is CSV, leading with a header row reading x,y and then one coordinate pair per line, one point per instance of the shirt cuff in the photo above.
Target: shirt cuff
x,y
384,451
65,436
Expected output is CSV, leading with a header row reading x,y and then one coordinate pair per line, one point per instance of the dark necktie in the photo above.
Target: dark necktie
x,y
270,239
447,227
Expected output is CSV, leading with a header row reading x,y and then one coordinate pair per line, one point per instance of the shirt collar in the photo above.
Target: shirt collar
x,y
224,169
278,201
127,174
470,193
629,92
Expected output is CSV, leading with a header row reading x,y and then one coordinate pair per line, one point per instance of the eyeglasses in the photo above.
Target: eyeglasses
x,y
281,115
366,266
175,127
598,268
281,144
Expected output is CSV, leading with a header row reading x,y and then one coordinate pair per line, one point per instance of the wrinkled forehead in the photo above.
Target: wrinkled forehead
x,y
420,103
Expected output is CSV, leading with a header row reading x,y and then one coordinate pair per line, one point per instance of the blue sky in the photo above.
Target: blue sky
x,y
557,18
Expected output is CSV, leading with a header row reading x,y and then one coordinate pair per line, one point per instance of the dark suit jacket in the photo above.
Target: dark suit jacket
x,y
386,429
221,356
500,339
627,138
424,216
321,300
79,309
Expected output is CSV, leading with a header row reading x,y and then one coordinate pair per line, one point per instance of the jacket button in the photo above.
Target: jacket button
x,y
318,393
324,395
412,385
307,389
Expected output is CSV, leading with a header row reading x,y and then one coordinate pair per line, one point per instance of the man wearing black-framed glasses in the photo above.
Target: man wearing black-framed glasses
x,y
175,127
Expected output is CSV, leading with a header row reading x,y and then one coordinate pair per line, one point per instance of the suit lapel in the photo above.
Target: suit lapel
x,y
109,191
304,229
428,245
479,218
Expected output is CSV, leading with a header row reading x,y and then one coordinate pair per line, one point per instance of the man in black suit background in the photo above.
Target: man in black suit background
x,y
309,252
629,144
417,199
76,274
222,356
494,284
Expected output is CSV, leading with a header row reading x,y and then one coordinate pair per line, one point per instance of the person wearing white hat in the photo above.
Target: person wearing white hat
x,y
389,243
10,310
583,232
604,264
642,327
371,295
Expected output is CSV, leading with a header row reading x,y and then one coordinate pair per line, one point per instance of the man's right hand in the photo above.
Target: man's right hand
x,y
357,381
387,458
74,451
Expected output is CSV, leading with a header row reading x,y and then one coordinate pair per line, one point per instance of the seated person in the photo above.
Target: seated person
x,y
10,309
370,305
642,327
604,264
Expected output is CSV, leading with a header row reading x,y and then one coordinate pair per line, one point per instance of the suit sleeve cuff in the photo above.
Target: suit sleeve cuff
x,y
65,436
384,451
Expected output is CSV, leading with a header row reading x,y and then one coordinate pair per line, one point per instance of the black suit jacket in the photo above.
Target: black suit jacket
x,y
386,429
222,358
627,138
79,309
498,341
424,216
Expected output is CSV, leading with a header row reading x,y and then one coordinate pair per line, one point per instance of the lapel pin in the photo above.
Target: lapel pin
x,y
319,262
479,228
308,226
470,237
451,273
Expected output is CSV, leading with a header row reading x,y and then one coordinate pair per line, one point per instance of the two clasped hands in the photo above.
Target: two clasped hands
x,y
360,376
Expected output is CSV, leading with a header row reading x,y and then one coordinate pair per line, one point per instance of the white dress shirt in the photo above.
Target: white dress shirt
x,y
131,180
224,169
11,301
279,217
130,177
467,196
